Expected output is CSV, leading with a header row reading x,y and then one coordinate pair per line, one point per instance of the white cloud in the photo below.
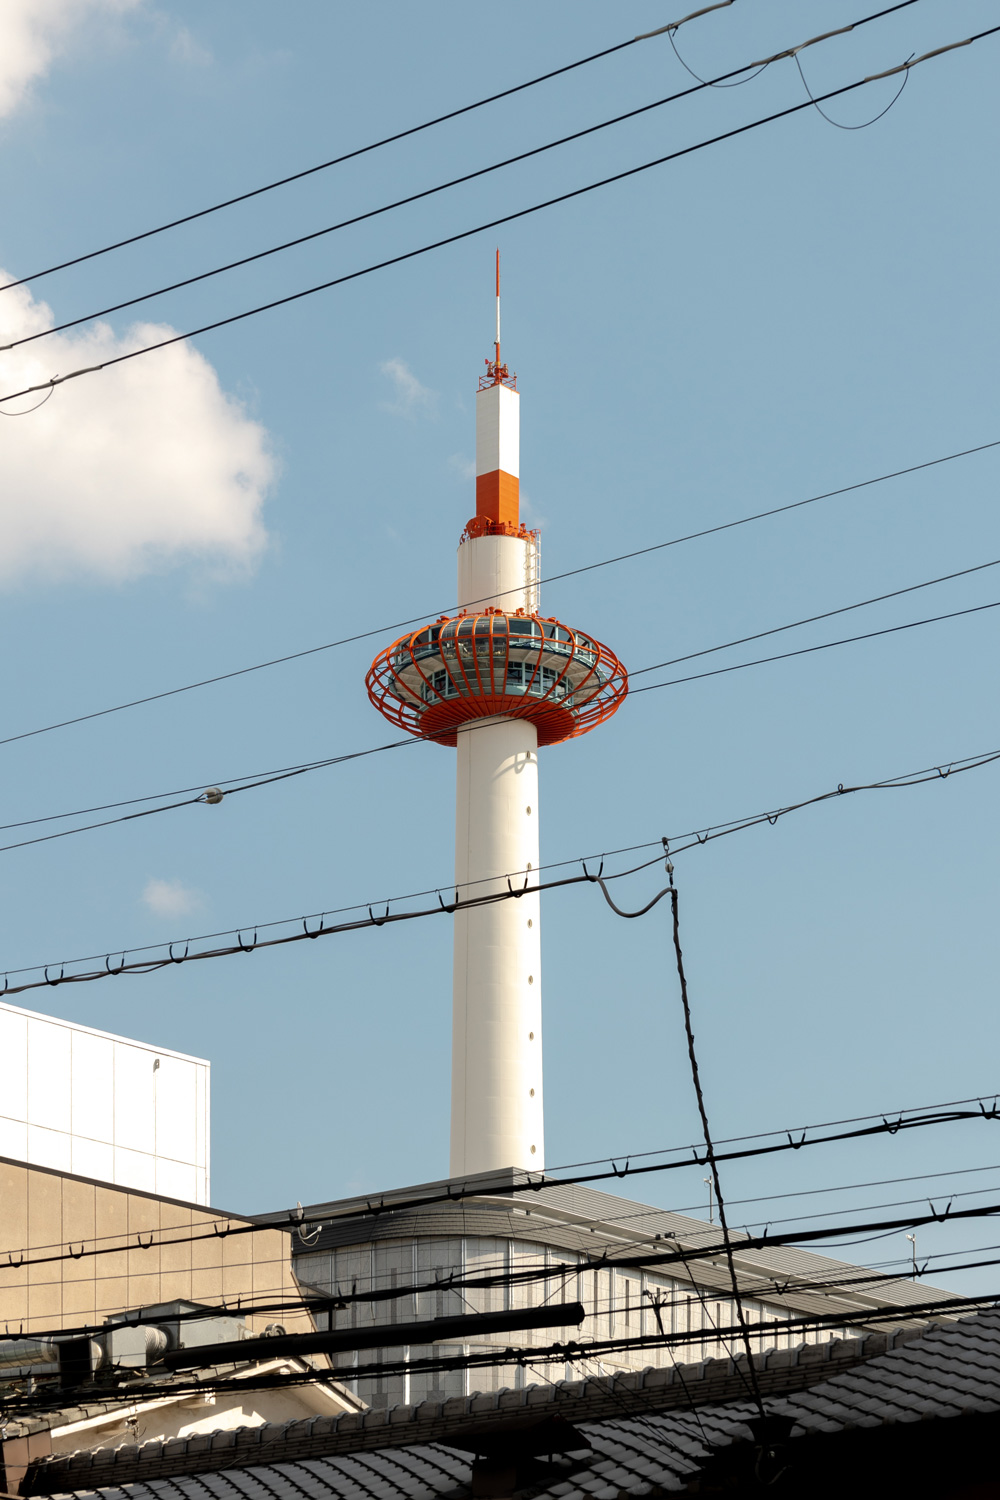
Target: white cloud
x,y
411,398
169,898
32,32
126,471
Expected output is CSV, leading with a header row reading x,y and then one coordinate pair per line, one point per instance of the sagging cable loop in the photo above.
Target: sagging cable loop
x,y
829,118
629,914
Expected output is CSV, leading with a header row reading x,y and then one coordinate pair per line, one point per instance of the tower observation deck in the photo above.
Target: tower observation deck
x,y
498,680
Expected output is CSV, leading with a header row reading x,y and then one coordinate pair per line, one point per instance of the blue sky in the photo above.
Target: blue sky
x,y
772,317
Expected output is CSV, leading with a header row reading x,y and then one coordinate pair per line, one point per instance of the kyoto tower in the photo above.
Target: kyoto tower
x,y
498,680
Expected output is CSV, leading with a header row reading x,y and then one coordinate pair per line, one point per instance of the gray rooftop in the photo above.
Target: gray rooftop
x,y
586,1221
633,1435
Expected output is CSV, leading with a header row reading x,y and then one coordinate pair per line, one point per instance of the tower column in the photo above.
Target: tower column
x,y
496,1102
497,680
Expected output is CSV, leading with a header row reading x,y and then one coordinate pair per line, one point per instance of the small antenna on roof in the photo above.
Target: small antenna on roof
x,y
498,307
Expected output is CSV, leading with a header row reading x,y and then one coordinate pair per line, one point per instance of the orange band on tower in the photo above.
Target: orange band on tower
x,y
497,497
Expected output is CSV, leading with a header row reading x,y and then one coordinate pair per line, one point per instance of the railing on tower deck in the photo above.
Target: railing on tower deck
x,y
483,526
497,375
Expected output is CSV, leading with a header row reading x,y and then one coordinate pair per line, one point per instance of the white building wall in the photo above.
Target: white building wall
x,y
97,1105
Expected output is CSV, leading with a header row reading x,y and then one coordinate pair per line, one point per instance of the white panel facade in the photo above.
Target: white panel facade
x,y
101,1106
498,431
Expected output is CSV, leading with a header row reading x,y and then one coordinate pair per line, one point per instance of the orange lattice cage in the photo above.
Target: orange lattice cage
x,y
516,665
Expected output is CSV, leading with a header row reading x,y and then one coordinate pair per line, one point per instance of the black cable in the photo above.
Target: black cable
x,y
381,630
568,1353
297,1219
713,1164
824,646
441,187
464,234
267,778
865,123
762,1287
933,773
810,619
322,166
942,1112
844,1187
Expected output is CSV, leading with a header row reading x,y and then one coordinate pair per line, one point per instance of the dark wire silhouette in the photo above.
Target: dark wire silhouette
x,y
409,198
491,224
397,625
514,891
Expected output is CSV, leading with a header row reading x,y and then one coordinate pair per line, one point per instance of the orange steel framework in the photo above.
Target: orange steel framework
x,y
477,666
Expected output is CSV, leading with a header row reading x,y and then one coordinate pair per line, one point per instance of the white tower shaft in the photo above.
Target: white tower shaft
x,y
496,1110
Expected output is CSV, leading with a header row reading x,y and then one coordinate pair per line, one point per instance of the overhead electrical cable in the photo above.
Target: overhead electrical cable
x,y
890,1123
430,192
491,224
630,1257
196,794
710,1153
812,619
381,630
322,166
974,1107
674,844
400,135
757,1286
567,1353
869,635
842,1187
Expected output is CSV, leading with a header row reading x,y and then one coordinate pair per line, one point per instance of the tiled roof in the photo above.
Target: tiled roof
x,y
627,1436
634,1435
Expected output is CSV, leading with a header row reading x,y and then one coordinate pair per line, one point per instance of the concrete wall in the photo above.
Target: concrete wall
x,y
102,1106
50,1223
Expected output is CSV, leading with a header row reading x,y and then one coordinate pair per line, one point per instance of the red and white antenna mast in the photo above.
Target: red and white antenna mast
x,y
496,373
498,308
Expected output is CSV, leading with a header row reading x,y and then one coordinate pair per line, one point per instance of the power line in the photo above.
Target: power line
x,y
381,630
869,635
812,619
490,224
713,1161
674,844
669,30
976,1107
843,1187
196,794
568,1353
438,188
758,1286
323,165
91,1249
